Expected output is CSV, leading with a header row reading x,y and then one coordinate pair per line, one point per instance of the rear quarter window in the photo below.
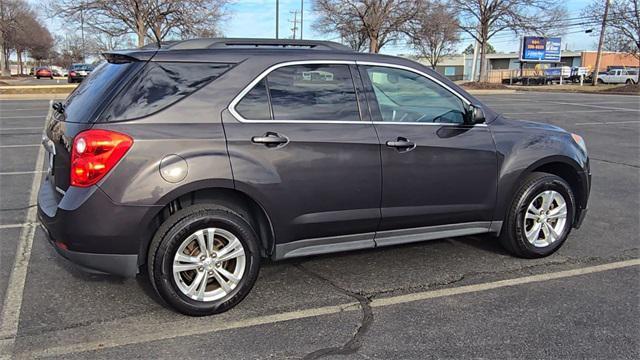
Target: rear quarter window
x,y
89,97
160,85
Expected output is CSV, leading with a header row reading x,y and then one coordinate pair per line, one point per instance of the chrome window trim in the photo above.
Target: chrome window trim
x,y
238,98
265,73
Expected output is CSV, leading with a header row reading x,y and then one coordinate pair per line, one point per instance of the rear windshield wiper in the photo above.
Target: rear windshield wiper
x,y
58,106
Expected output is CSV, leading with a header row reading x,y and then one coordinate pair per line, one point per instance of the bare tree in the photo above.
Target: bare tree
x,y
434,33
21,32
146,19
623,25
482,19
381,21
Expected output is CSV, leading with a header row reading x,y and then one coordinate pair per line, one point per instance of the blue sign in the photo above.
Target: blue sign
x,y
540,49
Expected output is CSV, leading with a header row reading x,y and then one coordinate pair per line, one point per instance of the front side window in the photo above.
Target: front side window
x,y
404,96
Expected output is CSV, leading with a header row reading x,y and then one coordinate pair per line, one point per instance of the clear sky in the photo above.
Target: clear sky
x,y
256,19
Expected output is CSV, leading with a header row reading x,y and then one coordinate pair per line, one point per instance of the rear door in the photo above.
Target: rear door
x,y
301,146
436,169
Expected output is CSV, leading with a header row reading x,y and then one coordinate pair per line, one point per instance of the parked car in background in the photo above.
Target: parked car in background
x,y
619,76
44,72
59,71
77,72
194,161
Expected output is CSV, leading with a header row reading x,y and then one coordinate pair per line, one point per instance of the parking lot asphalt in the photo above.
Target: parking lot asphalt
x,y
453,298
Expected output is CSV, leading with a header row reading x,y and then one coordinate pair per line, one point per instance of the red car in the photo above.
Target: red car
x,y
44,72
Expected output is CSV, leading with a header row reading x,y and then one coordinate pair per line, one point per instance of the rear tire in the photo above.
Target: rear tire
x,y
225,277
629,82
533,228
600,81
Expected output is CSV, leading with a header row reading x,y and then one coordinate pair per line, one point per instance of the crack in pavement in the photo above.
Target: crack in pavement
x,y
615,162
351,346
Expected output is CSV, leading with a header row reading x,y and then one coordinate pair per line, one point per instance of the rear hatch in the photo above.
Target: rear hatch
x,y
78,113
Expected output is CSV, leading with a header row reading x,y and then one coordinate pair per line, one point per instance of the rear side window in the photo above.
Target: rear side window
x,y
158,86
313,92
89,96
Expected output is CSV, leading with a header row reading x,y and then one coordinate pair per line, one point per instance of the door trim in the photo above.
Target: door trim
x,y
370,240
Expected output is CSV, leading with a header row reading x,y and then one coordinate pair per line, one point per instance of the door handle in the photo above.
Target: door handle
x,y
270,139
402,144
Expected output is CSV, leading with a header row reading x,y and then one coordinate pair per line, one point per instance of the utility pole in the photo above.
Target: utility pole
x,y
277,17
82,31
294,28
301,17
600,43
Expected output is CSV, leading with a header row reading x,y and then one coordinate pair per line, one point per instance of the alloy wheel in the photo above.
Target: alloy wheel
x,y
209,264
545,218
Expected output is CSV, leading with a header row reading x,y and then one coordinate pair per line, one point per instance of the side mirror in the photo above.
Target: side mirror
x,y
475,115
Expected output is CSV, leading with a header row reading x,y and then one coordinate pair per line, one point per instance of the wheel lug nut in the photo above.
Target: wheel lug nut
x,y
202,257
217,265
213,255
210,272
200,268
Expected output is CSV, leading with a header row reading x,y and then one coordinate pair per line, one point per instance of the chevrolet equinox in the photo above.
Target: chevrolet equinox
x,y
195,160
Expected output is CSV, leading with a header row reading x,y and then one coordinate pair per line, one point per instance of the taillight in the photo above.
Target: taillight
x,y
95,153
73,73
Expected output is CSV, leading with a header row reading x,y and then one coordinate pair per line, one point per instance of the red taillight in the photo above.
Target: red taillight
x,y
95,153
73,73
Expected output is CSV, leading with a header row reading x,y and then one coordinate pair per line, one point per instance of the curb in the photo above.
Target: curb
x,y
490,91
19,97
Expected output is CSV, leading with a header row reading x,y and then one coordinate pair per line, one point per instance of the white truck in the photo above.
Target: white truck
x,y
619,76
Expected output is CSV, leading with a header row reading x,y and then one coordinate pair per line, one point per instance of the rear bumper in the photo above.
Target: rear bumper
x,y
88,229
114,264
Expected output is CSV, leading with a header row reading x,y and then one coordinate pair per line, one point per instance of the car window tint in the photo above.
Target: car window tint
x,y
255,104
313,92
88,97
159,85
404,96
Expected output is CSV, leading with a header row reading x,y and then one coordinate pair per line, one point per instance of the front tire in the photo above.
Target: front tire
x,y
540,218
204,260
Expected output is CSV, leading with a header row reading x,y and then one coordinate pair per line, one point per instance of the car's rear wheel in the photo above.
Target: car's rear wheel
x,y
600,81
629,82
204,260
540,217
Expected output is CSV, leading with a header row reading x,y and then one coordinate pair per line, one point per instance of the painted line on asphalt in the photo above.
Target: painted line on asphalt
x,y
19,146
22,172
10,317
590,106
22,128
27,109
23,117
561,112
14,226
210,325
609,122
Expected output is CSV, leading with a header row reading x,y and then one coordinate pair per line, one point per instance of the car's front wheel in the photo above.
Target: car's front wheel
x,y
540,217
204,260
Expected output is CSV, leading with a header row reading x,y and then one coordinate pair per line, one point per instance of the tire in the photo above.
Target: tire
x,y
531,193
629,82
172,236
70,80
38,77
600,81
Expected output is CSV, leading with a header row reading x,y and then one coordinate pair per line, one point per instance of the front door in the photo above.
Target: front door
x,y
437,170
299,145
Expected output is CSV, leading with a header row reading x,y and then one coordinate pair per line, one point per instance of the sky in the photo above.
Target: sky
x,y
256,19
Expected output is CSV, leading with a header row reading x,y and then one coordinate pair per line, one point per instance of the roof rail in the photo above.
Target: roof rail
x,y
219,43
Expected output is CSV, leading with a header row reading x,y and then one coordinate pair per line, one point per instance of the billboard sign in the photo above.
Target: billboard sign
x,y
540,49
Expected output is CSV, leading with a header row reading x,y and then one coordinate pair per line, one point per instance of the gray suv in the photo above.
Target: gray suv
x,y
194,161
